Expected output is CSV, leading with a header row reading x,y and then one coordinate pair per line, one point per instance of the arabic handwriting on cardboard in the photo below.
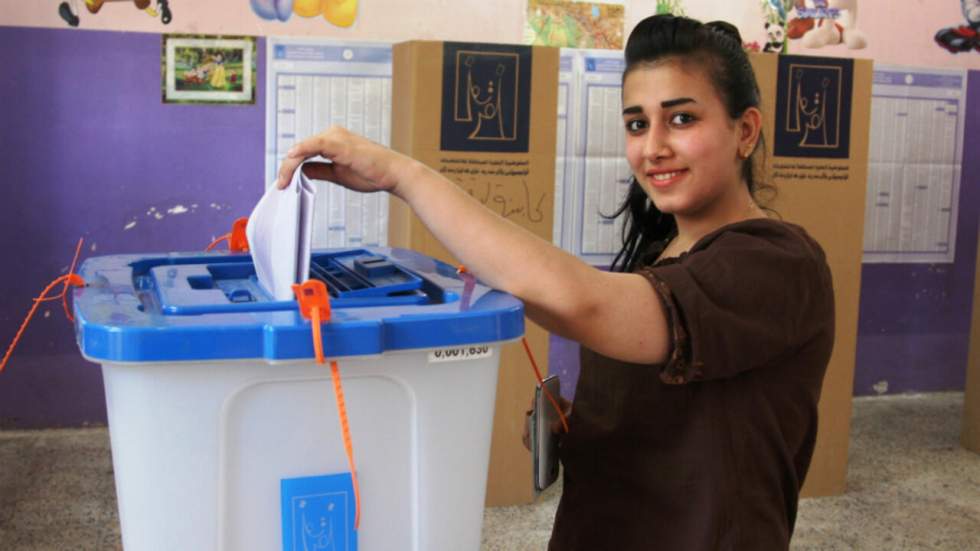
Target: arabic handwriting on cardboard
x,y
509,201
500,184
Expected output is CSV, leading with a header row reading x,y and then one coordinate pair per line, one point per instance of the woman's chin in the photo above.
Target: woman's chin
x,y
667,207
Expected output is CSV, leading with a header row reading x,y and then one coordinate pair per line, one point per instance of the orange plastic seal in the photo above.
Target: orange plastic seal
x,y
313,299
314,305
236,238
238,242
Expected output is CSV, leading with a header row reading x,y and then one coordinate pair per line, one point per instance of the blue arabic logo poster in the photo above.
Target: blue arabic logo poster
x,y
486,97
813,107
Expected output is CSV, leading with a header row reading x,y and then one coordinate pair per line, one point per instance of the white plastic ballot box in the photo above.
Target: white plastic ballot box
x,y
225,432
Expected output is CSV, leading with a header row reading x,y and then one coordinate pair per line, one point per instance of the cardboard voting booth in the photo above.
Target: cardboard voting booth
x,y
970,436
817,114
484,115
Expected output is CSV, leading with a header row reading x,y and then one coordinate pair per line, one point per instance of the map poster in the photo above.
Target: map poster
x,y
571,24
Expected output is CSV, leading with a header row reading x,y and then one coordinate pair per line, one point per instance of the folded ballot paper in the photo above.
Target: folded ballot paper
x,y
279,233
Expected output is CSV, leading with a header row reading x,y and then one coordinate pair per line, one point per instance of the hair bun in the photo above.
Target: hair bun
x,y
725,28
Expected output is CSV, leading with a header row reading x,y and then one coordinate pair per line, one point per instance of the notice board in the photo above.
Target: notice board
x,y
484,116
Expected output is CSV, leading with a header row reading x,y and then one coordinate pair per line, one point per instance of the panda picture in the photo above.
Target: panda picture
x,y
776,37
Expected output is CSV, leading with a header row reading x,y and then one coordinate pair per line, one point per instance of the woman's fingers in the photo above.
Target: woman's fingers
x,y
320,171
556,426
326,144
526,436
352,161
286,170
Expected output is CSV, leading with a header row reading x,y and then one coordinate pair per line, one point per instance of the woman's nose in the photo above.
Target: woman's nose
x,y
655,146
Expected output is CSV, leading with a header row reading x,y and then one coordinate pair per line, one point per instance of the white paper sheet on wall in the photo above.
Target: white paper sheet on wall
x,y
312,84
915,164
592,175
563,156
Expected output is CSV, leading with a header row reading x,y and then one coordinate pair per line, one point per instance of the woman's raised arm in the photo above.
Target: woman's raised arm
x,y
615,314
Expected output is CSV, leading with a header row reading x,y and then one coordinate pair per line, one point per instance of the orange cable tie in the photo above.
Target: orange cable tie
x,y
317,338
338,391
70,279
313,299
71,270
214,243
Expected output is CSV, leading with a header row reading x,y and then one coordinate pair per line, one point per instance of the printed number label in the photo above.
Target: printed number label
x,y
460,353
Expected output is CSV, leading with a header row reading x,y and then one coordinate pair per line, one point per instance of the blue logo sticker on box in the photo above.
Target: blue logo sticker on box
x,y
318,513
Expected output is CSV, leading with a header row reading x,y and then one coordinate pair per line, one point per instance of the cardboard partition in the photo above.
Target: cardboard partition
x,y
970,437
817,123
484,115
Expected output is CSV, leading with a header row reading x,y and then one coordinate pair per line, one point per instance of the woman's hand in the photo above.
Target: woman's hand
x,y
566,409
356,162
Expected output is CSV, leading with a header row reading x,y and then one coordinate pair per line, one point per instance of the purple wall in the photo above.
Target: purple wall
x,y
87,147
914,325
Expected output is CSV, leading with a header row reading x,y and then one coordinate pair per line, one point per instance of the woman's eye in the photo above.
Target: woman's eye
x,y
681,119
635,125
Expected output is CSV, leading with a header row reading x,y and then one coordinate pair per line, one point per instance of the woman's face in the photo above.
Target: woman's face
x,y
680,142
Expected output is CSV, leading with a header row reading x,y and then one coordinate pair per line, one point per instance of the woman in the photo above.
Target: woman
x,y
703,350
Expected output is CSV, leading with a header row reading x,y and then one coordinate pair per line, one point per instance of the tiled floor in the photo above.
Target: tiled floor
x,y
910,486
56,491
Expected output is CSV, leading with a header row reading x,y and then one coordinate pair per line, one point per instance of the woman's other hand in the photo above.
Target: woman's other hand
x,y
566,409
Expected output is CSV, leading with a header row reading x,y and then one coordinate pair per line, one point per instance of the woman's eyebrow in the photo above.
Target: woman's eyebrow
x,y
666,104
678,101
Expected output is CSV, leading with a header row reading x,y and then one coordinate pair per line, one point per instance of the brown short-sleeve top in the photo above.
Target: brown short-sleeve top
x,y
709,450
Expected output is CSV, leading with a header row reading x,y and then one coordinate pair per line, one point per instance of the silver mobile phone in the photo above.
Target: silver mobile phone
x,y
544,442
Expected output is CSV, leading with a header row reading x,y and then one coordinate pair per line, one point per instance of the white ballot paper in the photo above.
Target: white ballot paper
x,y
279,234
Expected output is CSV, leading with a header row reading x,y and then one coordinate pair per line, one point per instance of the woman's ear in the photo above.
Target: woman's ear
x,y
749,126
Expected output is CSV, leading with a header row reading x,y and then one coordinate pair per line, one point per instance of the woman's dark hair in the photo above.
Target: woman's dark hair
x,y
716,46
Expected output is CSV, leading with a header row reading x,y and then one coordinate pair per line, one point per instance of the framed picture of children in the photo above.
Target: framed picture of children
x,y
208,69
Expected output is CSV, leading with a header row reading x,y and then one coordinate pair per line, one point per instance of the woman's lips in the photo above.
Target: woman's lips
x,y
664,178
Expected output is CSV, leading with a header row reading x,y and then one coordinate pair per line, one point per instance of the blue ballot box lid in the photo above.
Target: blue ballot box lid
x,y
209,306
